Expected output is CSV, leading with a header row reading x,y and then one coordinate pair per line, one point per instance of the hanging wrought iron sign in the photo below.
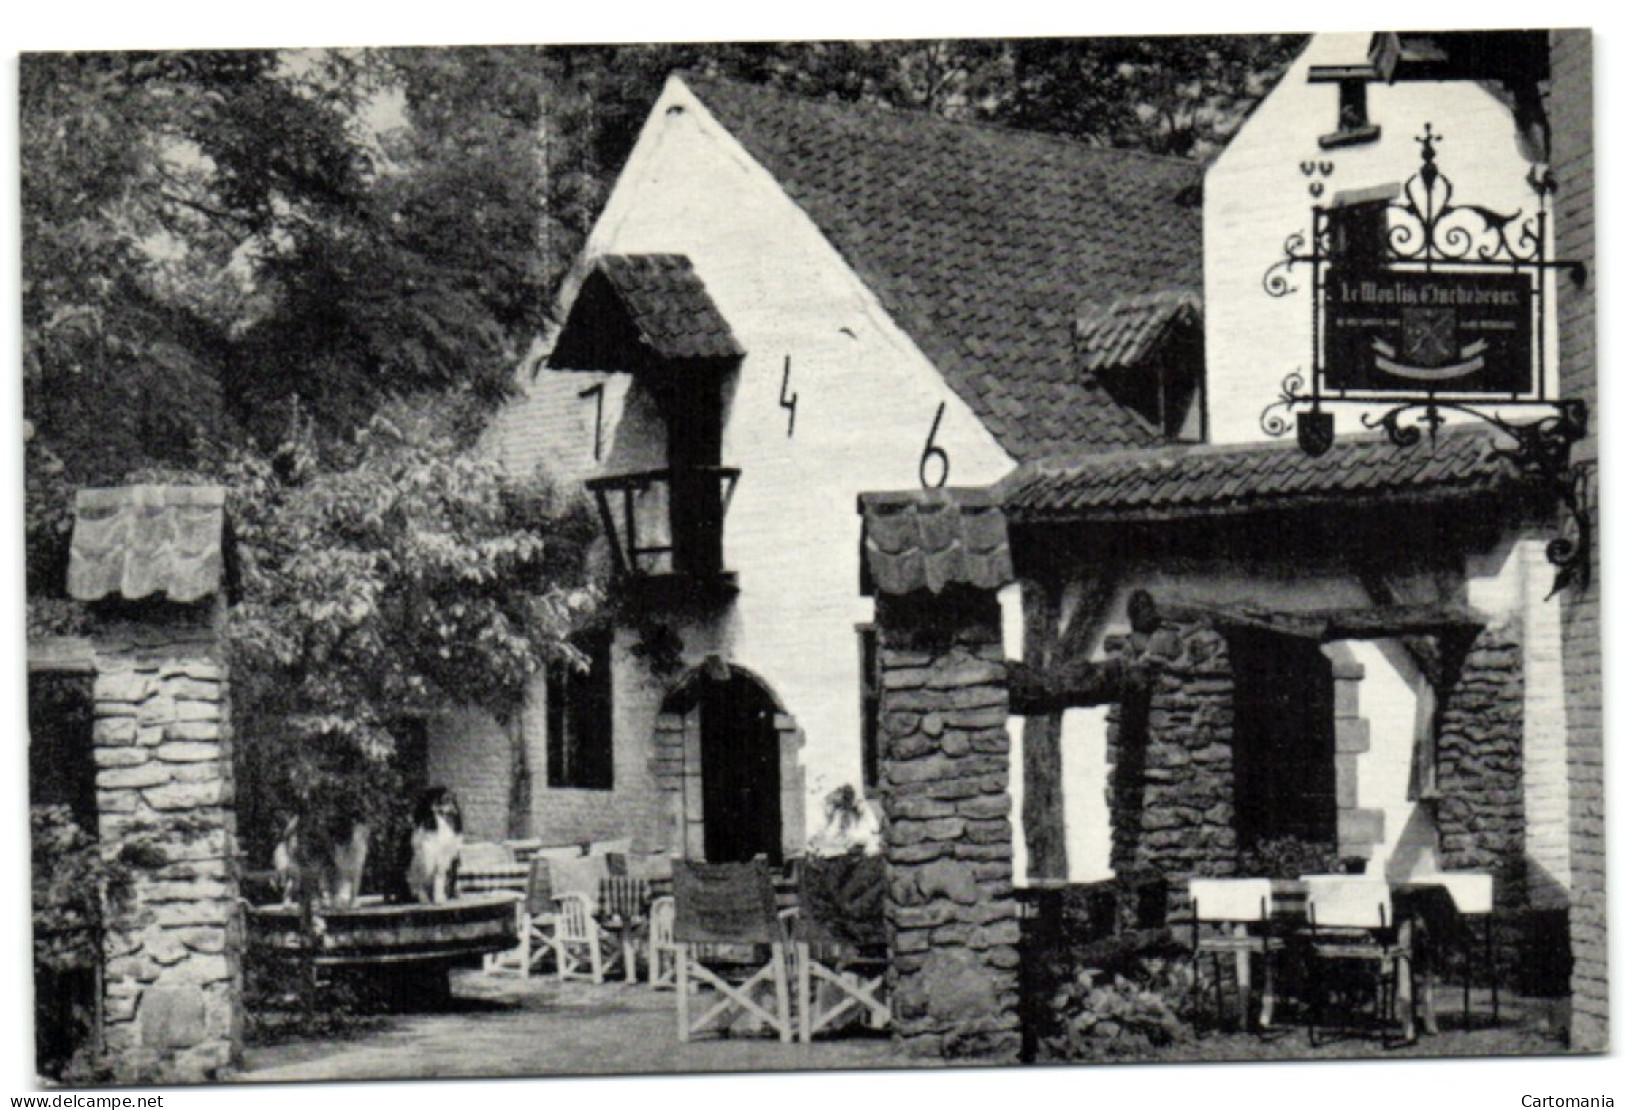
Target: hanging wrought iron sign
x,y
1426,309
1398,332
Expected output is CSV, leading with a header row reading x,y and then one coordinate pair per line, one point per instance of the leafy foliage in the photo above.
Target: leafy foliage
x,y
1179,95
70,880
409,575
1097,1016
72,884
309,275
209,236
1288,857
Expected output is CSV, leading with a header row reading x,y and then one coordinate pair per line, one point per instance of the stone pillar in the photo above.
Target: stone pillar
x,y
165,793
1171,750
945,776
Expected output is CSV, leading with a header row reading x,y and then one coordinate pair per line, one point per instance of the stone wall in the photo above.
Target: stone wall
x,y
1480,813
945,778
164,788
1172,777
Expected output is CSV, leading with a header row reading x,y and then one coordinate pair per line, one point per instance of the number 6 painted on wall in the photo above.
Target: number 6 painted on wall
x,y
932,451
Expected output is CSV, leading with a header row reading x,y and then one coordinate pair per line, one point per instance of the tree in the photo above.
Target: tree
x,y
1181,95
408,576
310,275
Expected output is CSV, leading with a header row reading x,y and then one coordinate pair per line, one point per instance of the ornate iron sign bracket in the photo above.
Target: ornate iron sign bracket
x,y
1424,310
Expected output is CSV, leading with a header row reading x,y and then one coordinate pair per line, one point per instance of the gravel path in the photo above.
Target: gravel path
x,y
505,1027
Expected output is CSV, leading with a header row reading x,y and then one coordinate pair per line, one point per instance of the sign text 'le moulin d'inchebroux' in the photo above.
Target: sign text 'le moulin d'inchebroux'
x,y
1455,333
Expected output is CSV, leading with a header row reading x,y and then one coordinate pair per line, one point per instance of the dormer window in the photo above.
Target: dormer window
x,y
1147,352
650,316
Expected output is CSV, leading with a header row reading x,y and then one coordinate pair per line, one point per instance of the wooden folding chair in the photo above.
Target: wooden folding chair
x,y
538,925
730,906
1237,913
1351,922
840,932
662,946
579,939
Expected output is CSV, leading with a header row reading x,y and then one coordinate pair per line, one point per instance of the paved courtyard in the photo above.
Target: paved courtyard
x,y
508,1027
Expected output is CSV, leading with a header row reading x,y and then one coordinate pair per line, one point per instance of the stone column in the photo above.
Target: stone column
x,y
165,794
945,774
1171,750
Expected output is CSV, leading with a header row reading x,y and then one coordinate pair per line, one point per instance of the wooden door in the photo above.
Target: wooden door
x,y
739,772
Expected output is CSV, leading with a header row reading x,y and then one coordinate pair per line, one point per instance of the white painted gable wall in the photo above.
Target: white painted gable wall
x,y
867,396
1255,196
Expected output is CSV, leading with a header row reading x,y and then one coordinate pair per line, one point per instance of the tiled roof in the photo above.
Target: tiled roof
x,y
136,541
669,304
1124,331
1207,481
933,539
982,242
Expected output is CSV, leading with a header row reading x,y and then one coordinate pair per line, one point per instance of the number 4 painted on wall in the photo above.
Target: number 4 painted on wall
x,y
787,400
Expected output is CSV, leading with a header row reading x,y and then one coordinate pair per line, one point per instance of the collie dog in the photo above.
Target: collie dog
x,y
437,841
327,869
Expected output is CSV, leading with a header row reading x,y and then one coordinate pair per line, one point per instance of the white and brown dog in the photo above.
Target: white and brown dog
x,y
329,872
437,842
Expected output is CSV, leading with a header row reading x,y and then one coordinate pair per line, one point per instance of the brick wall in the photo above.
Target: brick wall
x,y
1569,113
479,757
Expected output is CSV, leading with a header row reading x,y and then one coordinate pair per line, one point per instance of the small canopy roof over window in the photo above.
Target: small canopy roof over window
x,y
1124,333
640,312
133,542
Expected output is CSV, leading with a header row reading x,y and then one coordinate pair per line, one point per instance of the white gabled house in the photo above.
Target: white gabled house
x,y
1391,683
784,303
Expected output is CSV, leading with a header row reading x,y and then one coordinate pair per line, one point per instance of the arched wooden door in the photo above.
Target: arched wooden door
x,y
739,770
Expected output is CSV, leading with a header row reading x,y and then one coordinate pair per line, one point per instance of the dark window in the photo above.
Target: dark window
x,y
1351,109
869,684
693,451
1359,229
580,749
1166,392
1285,748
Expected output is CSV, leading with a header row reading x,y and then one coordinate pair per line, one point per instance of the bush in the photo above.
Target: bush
x,y
1287,857
1096,1016
70,882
